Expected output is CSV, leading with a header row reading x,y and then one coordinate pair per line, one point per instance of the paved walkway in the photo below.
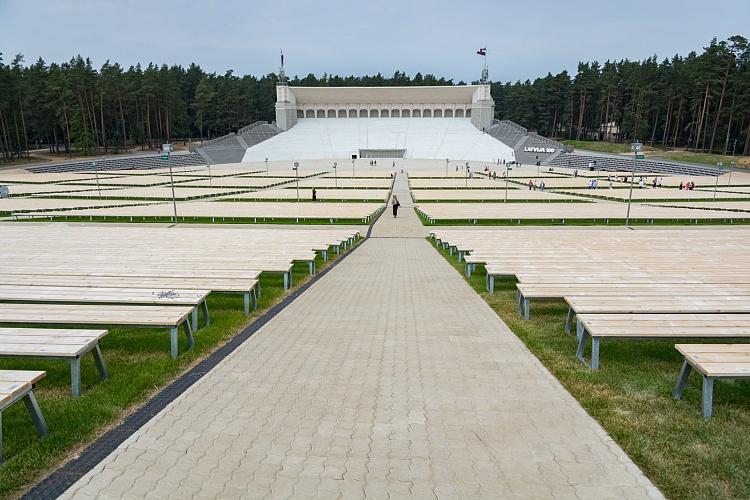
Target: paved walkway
x,y
389,377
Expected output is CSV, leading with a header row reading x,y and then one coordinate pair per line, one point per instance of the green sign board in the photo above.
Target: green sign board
x,y
165,155
639,156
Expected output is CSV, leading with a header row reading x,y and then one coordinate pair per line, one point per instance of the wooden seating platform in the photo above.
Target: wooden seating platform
x,y
171,317
16,385
654,304
656,327
70,345
712,362
526,292
249,288
92,295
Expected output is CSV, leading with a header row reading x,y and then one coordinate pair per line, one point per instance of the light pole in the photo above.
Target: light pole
x,y
507,174
718,173
96,172
636,148
166,156
209,175
446,167
296,176
266,167
335,175
353,174
732,164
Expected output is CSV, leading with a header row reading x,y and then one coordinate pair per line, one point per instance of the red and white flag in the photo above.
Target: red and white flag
x,y
482,52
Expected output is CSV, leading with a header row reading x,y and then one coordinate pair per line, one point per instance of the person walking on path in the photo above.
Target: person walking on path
x,y
314,195
395,203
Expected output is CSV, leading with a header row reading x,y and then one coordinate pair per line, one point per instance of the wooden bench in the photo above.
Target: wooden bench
x,y
249,288
94,295
49,343
20,384
713,362
171,317
656,327
526,292
654,304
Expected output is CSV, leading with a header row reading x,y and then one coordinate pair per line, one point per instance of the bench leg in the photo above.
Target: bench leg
x,y
492,283
75,376
311,267
194,318
682,379
100,364
581,351
173,341
595,353
526,308
708,397
460,255
287,280
189,335
467,270
206,316
325,255
579,329
519,302
246,305
36,414
569,320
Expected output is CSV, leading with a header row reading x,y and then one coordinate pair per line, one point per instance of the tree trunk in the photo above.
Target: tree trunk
x,y
668,122
656,123
67,127
729,125
721,102
701,118
18,135
677,123
101,116
122,118
746,149
581,107
148,122
23,124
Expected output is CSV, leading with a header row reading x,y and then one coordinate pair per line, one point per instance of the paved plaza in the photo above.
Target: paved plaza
x,y
388,378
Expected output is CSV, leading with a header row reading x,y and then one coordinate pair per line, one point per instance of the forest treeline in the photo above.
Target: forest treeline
x,y
699,101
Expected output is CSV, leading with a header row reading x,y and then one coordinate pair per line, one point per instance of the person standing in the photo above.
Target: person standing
x,y
395,203
314,195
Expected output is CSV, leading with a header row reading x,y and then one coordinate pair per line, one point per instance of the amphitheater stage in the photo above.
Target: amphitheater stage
x,y
428,138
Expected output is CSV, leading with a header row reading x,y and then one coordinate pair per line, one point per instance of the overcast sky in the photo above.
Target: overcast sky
x,y
524,39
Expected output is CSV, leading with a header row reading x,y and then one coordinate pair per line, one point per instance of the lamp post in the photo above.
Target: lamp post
x,y
266,167
96,172
636,147
353,174
209,175
718,173
335,175
507,174
732,164
296,177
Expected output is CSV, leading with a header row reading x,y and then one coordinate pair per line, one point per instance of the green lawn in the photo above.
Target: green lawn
x,y
654,153
600,146
685,456
139,365
689,157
